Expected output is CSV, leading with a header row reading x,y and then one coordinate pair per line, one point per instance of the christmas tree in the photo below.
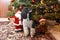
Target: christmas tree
x,y
48,8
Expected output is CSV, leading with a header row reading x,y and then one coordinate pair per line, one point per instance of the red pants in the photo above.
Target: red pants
x,y
19,27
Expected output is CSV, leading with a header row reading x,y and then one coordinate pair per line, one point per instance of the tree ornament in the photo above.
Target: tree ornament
x,y
11,8
51,6
21,7
8,18
42,2
54,6
12,0
33,1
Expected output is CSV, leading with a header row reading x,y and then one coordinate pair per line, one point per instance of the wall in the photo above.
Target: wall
x,y
3,7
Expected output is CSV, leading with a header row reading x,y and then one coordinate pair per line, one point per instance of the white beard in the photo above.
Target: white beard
x,y
18,14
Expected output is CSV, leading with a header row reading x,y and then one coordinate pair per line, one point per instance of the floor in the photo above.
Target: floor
x,y
7,33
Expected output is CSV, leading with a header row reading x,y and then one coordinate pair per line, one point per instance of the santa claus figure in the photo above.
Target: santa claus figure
x,y
18,21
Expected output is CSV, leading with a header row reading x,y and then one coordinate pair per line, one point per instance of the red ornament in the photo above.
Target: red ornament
x,y
54,6
12,0
21,7
33,1
8,18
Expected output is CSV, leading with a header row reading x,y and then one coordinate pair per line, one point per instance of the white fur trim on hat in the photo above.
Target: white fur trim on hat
x,y
42,20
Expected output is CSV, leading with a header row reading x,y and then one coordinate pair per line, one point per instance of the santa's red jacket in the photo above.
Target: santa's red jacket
x,y
16,23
